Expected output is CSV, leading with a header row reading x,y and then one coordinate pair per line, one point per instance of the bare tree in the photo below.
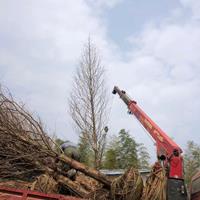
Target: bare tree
x,y
89,100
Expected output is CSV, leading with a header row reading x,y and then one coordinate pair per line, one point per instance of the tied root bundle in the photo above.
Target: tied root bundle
x,y
155,188
129,186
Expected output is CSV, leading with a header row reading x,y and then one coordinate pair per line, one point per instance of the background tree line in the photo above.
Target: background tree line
x,y
121,152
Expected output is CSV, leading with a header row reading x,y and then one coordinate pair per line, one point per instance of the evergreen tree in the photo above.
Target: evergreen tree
x,y
86,154
121,152
127,151
110,161
143,157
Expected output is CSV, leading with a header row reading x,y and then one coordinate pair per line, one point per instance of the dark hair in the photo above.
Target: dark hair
x,y
176,152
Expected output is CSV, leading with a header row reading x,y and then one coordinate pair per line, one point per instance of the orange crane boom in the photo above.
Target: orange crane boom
x,y
168,152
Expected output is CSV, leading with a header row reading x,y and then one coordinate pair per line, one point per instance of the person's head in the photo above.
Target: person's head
x,y
176,152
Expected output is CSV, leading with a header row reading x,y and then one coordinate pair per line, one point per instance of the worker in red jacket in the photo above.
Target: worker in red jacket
x,y
176,161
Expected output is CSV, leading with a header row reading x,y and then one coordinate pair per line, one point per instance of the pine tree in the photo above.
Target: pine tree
x,y
143,157
121,152
127,151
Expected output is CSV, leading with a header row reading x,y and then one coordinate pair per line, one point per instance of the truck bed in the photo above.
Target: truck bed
x,y
7,193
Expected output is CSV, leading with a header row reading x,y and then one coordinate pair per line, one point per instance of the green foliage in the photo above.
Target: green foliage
x,y
86,154
143,157
191,160
110,161
127,151
122,153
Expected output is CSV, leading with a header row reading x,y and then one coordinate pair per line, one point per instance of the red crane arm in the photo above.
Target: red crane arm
x,y
164,144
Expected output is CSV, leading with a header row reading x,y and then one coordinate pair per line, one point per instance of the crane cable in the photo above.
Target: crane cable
x,y
110,108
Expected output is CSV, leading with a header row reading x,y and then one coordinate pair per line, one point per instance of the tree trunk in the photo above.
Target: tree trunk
x,y
77,190
86,170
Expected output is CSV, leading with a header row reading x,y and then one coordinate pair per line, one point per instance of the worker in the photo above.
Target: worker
x,y
70,150
176,161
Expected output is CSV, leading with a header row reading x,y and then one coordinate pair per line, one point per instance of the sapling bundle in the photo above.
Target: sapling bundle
x,y
128,186
25,148
155,188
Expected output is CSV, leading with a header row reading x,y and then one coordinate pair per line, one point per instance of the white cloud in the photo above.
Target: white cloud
x,y
41,42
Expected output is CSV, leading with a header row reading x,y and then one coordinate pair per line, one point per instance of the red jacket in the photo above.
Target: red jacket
x,y
176,167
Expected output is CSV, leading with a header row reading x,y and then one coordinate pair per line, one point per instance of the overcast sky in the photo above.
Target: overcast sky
x,y
151,49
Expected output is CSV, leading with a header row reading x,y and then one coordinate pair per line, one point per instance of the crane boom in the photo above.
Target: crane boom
x,y
167,150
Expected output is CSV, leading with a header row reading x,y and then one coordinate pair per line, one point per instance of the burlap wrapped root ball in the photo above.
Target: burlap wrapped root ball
x,y
129,186
46,184
155,188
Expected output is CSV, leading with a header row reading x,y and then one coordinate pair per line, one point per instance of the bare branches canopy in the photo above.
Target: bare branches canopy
x,y
88,101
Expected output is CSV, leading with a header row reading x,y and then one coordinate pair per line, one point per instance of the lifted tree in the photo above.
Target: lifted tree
x,y
88,101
